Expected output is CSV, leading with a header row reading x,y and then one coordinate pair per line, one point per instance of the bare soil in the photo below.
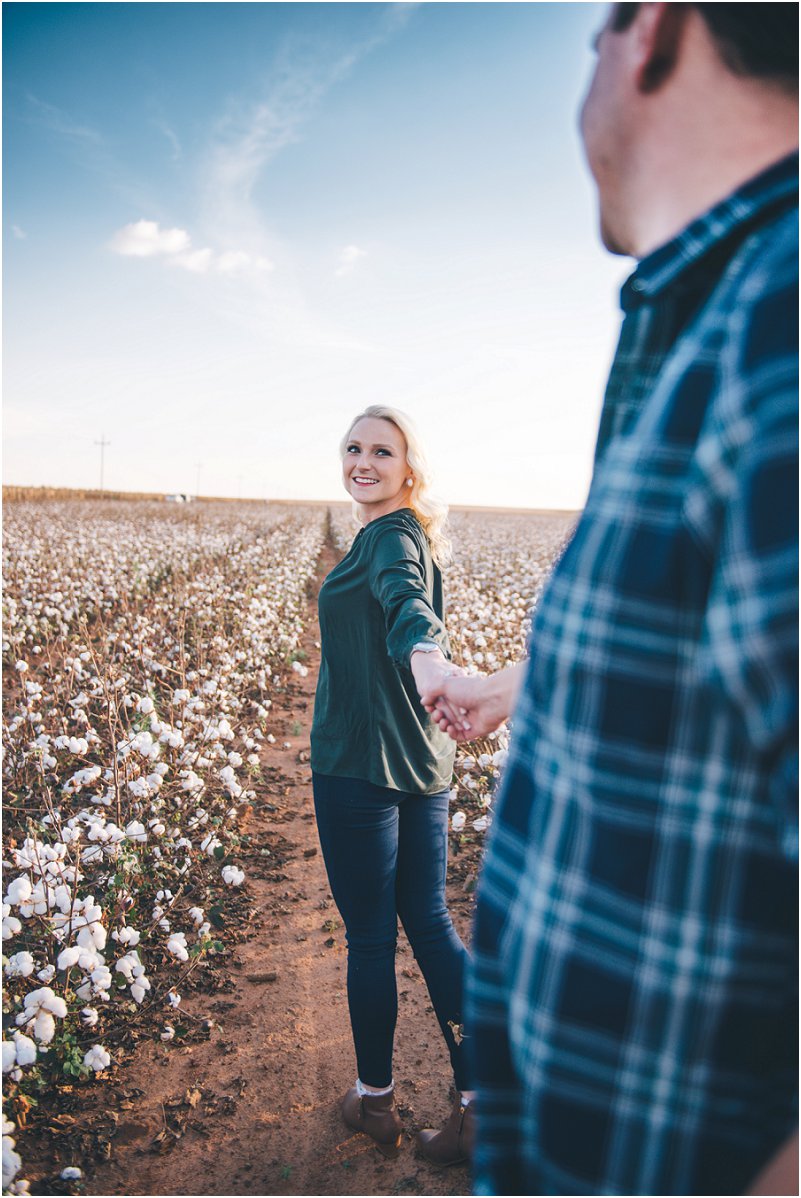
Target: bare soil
x,y
249,1102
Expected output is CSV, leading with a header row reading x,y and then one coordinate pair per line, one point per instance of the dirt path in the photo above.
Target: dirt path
x,y
254,1109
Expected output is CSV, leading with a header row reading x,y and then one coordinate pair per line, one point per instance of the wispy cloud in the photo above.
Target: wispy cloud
x,y
250,134
61,122
172,138
348,257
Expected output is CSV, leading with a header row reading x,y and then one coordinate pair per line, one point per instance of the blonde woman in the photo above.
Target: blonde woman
x,y
382,768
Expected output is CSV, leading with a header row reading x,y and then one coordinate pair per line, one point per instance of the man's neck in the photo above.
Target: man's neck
x,y
702,155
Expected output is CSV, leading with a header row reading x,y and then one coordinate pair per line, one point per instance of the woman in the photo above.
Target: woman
x,y
382,769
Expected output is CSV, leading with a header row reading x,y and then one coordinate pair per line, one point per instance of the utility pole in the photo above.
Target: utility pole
x,y
102,443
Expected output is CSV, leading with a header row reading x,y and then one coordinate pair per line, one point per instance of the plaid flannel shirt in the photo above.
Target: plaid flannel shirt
x,y
632,1002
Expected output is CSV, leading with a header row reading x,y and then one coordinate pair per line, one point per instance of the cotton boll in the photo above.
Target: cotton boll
x,y
71,1173
458,821
44,1027
89,1016
126,936
12,1162
25,1049
19,891
97,1058
9,1056
177,946
20,965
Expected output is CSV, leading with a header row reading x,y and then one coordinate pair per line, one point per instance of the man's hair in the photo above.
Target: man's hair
x,y
752,39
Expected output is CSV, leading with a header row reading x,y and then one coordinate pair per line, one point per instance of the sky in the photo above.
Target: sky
x,y
229,227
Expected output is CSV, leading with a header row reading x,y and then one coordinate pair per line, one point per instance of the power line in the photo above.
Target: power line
x,y
102,443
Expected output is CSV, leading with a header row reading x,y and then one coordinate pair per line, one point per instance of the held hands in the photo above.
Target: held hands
x,y
460,707
470,706
431,671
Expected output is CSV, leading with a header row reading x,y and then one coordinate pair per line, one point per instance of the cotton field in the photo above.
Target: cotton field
x,y
143,648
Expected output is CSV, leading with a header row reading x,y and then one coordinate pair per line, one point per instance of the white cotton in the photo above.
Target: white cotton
x,y
232,876
25,1049
177,946
89,1016
21,965
44,1027
97,1058
71,1173
9,1056
69,957
126,936
12,1162
19,890
458,821
11,925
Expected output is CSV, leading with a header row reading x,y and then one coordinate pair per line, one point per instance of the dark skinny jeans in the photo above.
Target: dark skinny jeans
x,y
386,855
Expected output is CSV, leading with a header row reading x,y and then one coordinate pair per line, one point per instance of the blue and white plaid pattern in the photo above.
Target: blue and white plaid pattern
x,y
633,996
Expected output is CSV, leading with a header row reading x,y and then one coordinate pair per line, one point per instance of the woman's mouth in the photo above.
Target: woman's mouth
x,y
365,482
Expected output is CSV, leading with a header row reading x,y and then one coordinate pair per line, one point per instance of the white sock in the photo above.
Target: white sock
x,y
362,1090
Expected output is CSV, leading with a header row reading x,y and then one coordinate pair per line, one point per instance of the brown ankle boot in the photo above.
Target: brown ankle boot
x,y
454,1143
374,1114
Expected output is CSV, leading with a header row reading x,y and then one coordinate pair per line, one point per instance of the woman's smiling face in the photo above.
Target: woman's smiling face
x,y
374,467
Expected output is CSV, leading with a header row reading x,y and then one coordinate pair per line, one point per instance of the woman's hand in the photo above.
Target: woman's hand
x,y
430,672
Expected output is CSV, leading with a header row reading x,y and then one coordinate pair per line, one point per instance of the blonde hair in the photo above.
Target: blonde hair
x,y
429,510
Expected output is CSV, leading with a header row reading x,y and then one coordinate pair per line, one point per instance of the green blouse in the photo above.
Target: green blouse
x,y
380,600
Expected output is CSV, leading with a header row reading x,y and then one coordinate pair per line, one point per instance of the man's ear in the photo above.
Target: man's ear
x,y
659,32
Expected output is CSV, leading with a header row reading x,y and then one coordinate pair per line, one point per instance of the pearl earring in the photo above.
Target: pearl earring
x,y
409,482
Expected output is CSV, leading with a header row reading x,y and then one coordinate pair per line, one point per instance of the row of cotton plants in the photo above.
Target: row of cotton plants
x,y
142,651
501,562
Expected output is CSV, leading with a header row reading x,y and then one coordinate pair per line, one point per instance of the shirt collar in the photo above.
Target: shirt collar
x,y
753,201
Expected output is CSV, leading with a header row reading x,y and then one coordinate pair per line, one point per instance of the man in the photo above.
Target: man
x,y
633,1010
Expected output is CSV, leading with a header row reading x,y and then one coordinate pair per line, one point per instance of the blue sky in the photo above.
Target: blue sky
x,y
228,227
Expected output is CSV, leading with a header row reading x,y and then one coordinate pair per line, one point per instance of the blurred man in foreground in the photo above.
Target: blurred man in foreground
x,y
633,999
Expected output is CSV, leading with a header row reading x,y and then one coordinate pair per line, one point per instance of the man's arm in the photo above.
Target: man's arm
x,y
780,1175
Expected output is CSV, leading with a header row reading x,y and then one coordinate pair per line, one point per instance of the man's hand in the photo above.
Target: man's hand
x,y
471,706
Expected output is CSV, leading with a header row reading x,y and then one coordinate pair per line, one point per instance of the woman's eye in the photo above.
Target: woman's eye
x,y
384,452
352,449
